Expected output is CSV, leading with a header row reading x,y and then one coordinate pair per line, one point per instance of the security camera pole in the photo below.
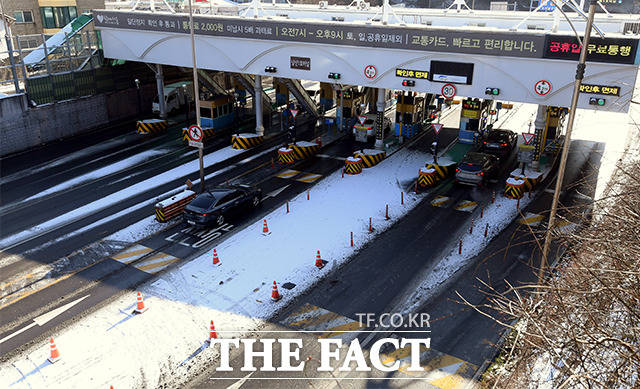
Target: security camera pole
x,y
196,93
567,140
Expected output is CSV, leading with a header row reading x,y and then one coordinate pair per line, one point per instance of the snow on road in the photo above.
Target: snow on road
x,y
102,172
110,347
124,194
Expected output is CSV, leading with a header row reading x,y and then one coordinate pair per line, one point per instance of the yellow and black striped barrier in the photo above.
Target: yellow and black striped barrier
x,y
151,126
246,141
285,156
304,150
514,188
173,206
529,182
206,133
370,158
353,165
427,177
443,171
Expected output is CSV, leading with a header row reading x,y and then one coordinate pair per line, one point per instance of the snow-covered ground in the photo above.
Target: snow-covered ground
x,y
110,347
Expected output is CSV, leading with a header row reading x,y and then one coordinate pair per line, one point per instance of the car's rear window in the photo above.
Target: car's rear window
x,y
500,136
203,201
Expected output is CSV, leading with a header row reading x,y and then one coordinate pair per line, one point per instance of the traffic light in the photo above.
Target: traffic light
x,y
270,69
334,76
408,83
597,101
492,91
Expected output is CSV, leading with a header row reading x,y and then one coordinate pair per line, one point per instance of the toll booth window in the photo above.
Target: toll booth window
x,y
451,72
205,112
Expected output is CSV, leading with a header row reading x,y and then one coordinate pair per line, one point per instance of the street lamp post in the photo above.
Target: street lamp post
x,y
567,140
196,92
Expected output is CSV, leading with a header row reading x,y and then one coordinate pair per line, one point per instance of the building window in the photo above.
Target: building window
x,y
57,17
23,16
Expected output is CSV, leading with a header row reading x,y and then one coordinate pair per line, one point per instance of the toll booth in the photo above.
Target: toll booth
x,y
352,101
327,96
473,118
240,92
218,112
282,92
409,114
552,136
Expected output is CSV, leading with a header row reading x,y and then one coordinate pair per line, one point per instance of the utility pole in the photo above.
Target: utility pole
x,y
196,93
567,140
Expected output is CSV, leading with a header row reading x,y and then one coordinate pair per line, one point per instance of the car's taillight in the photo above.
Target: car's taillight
x,y
486,143
457,170
480,173
205,214
503,144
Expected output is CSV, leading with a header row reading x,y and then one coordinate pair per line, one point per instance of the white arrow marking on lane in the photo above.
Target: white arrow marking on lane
x,y
275,192
43,319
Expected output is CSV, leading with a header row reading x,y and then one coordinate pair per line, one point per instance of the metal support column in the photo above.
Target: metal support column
x,y
567,140
160,84
539,124
257,102
380,105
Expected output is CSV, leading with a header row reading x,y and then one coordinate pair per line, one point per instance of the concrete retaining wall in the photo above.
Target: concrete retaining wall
x,y
22,128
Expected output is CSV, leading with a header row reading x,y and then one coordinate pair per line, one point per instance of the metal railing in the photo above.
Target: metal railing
x,y
79,52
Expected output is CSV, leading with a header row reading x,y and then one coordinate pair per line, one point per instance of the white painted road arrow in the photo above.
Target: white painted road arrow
x,y
43,319
275,192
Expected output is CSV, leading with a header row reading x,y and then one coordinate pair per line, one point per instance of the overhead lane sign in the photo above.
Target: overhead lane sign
x,y
406,73
506,44
600,89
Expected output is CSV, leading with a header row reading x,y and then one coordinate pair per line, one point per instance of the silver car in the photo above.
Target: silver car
x,y
476,168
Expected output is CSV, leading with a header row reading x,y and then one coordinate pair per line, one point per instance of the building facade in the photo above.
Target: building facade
x,y
45,16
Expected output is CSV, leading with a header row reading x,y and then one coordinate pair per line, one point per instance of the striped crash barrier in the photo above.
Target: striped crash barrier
x,y
529,182
427,177
353,165
246,141
514,188
370,158
151,126
285,156
206,133
304,150
169,208
443,171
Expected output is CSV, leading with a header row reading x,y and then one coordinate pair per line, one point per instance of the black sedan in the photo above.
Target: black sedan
x,y
500,142
214,206
476,168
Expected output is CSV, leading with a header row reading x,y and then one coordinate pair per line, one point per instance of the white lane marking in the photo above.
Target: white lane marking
x,y
43,319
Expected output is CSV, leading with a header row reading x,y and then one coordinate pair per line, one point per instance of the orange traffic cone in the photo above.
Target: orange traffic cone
x,y
212,332
216,260
55,354
140,305
275,296
265,228
319,263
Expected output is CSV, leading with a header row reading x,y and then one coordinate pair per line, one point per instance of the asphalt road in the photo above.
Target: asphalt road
x,y
371,282
106,277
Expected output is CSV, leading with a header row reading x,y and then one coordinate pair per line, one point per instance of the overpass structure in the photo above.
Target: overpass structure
x,y
526,66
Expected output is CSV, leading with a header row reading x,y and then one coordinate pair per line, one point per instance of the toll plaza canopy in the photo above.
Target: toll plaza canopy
x,y
524,66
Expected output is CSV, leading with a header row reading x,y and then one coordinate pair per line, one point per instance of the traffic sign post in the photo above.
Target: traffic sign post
x,y
195,136
370,71
528,137
434,146
437,127
448,91
362,119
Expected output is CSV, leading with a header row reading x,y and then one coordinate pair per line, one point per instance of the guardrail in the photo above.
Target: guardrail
x,y
169,208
